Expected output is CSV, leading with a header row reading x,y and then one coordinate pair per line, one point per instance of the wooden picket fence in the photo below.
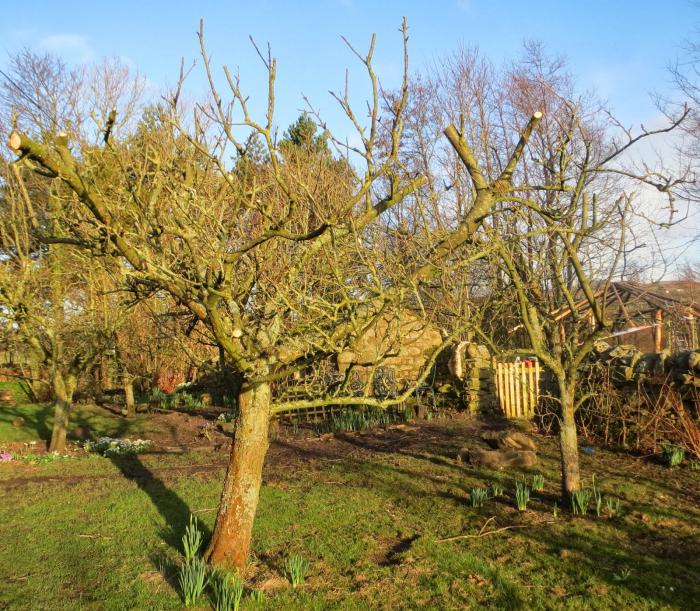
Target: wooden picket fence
x,y
517,386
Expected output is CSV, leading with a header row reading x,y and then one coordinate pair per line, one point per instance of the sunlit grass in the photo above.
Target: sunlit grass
x,y
369,527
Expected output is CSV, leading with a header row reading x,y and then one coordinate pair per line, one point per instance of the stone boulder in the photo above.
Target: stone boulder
x,y
509,440
497,459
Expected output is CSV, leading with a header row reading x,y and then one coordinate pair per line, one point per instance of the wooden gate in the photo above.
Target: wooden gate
x,y
517,386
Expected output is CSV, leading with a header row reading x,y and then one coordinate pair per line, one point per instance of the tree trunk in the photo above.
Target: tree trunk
x,y
230,541
105,381
129,395
63,392
568,441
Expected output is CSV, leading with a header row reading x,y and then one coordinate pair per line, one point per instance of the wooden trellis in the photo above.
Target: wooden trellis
x,y
517,386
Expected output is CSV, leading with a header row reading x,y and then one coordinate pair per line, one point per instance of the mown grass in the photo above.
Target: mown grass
x,y
105,534
38,420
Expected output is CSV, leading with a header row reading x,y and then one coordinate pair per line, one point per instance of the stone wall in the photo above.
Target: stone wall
x,y
401,341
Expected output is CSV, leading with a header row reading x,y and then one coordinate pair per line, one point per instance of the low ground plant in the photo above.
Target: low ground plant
x,y
538,482
478,496
109,446
192,580
227,591
496,489
190,401
358,420
598,498
673,455
522,495
580,501
296,567
192,539
613,506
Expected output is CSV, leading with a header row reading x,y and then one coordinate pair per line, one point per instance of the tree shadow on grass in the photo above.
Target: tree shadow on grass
x,y
169,504
662,566
36,419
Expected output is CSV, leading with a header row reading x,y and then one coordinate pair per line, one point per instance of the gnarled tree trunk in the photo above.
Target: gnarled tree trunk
x,y
568,442
63,393
129,397
230,541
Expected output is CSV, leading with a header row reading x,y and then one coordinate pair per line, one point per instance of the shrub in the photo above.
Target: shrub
x,y
192,539
673,455
192,580
522,495
296,568
538,482
580,501
227,590
478,496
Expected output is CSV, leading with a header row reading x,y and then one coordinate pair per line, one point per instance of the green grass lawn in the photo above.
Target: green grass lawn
x,y
38,420
368,512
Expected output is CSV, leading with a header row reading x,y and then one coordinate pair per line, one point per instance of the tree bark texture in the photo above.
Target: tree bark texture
x,y
230,541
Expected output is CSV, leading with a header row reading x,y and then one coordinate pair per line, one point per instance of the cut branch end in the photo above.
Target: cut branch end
x,y
14,142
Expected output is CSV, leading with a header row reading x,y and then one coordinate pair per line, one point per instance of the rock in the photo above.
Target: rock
x,y
498,459
18,422
81,432
504,440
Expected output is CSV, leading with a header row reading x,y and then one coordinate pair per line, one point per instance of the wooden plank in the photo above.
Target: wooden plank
x,y
517,373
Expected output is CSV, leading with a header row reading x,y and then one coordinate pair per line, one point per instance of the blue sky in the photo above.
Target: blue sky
x,y
621,48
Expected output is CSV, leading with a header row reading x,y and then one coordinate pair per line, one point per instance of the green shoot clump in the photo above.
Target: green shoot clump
x,y
580,501
192,539
227,590
496,489
478,496
522,495
192,580
296,568
538,482
673,455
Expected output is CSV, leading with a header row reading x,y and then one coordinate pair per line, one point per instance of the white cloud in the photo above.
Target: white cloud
x,y
73,47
